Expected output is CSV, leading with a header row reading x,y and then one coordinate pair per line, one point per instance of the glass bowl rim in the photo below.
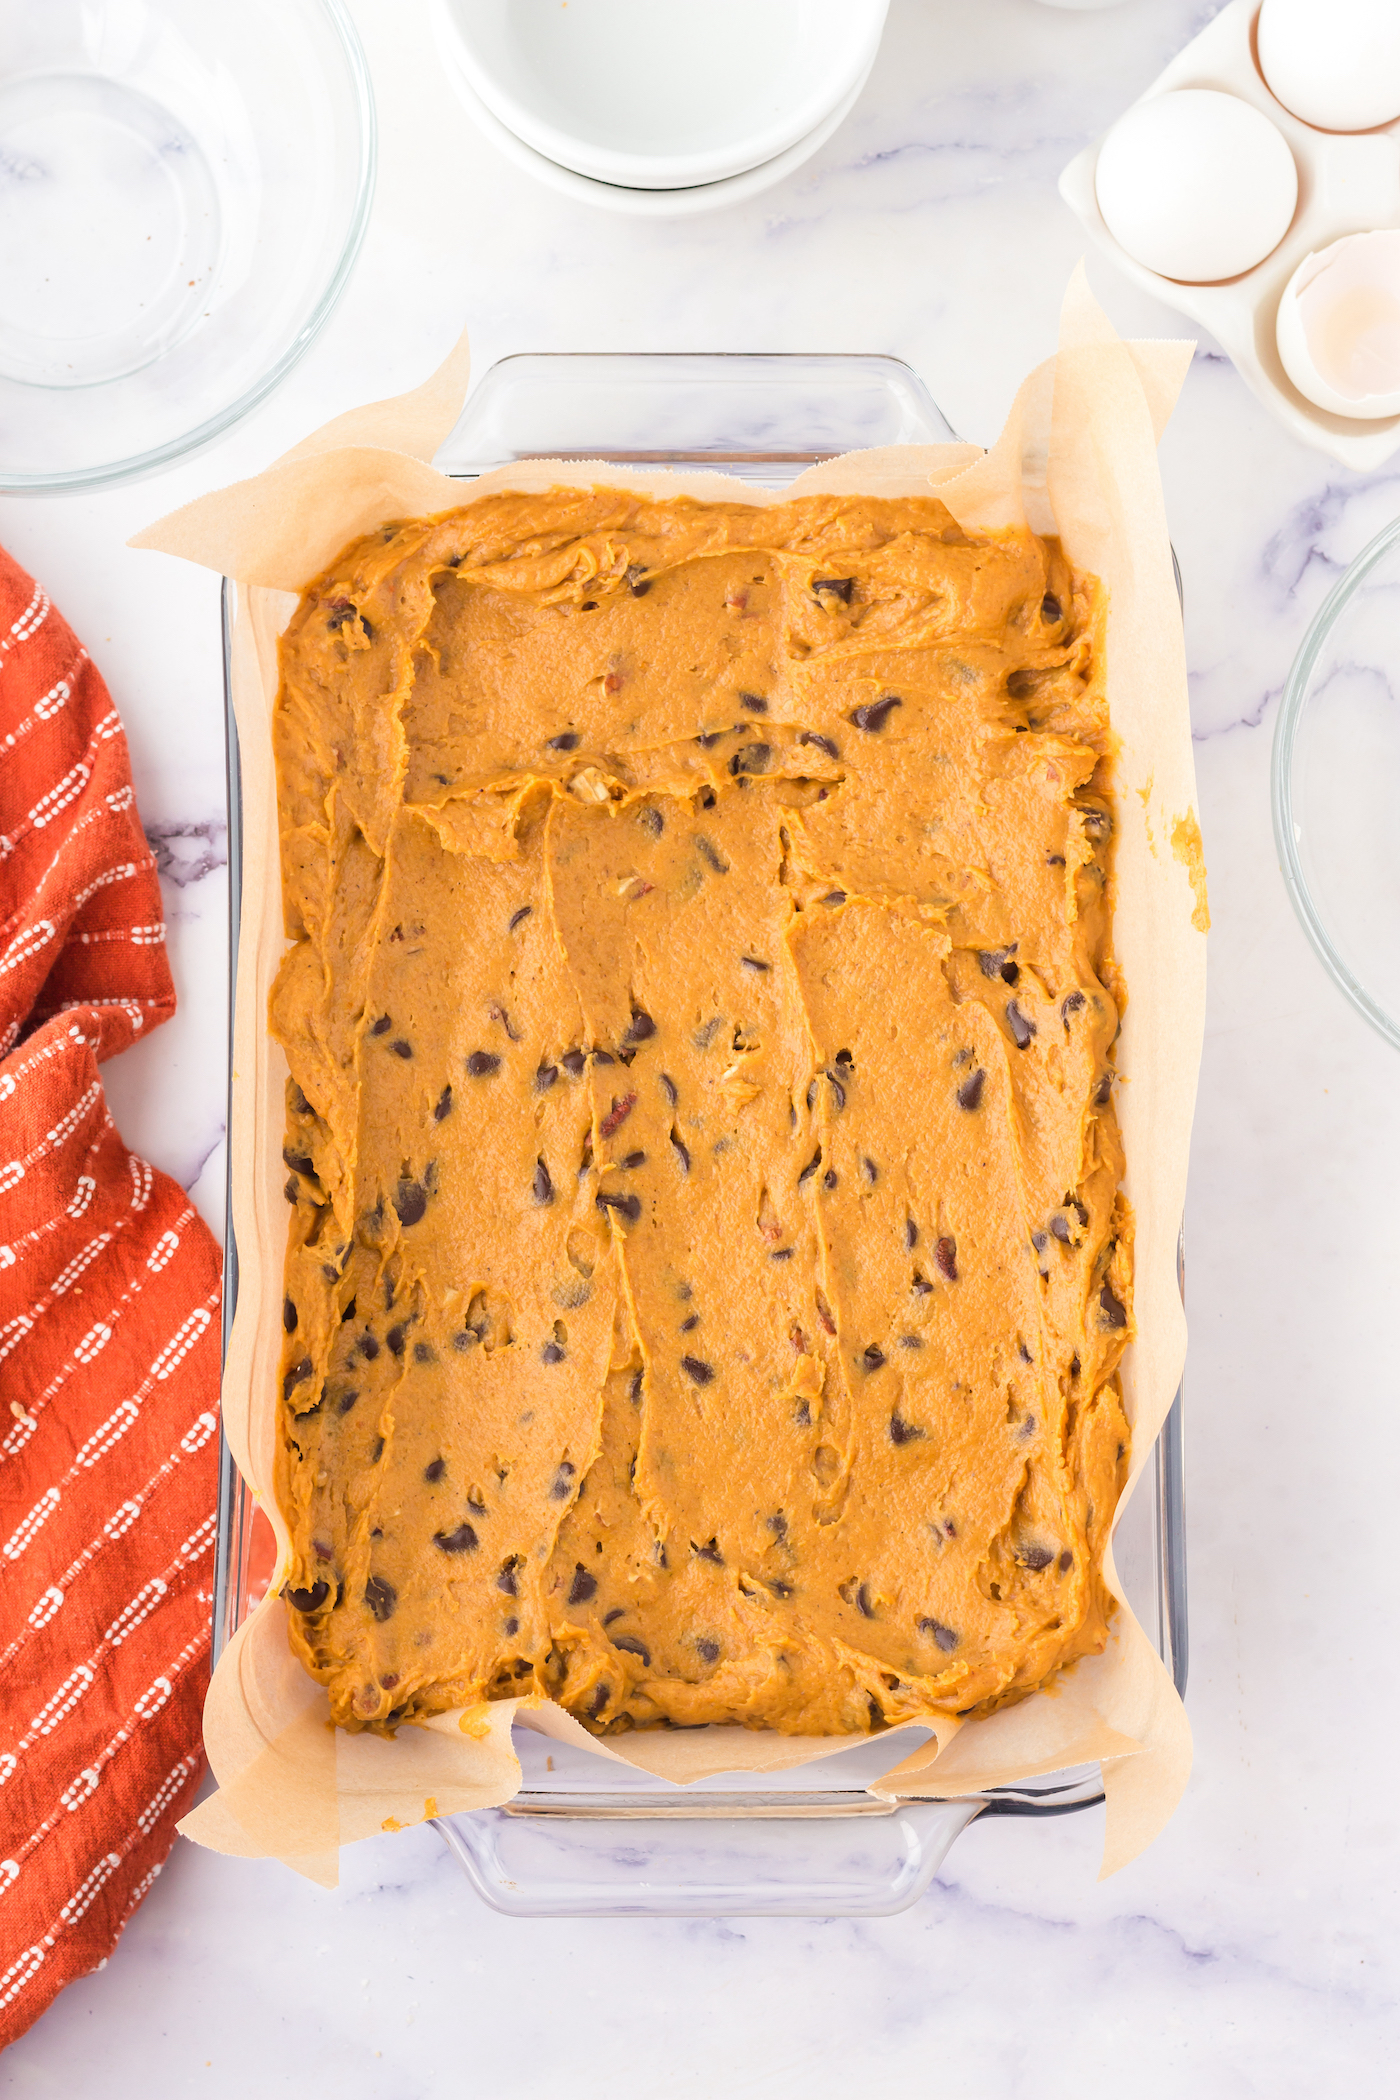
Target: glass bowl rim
x,y
1296,690
105,473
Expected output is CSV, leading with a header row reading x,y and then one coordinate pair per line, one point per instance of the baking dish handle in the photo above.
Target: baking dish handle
x,y
528,1864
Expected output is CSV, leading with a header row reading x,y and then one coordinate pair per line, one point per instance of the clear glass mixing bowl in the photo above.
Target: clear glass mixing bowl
x,y
1336,783
184,186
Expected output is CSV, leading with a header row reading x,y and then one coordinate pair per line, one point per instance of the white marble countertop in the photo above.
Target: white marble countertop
x,y
1253,1949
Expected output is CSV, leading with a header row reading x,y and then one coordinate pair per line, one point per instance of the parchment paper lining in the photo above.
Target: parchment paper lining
x,y
1077,456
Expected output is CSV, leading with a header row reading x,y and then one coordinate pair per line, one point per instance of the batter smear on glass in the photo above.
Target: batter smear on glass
x,y
707,1274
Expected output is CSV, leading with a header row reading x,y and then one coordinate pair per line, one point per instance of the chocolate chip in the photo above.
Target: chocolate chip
x,y
751,962
837,1089
829,1178
605,1057
637,580
668,1088
375,1454
641,1028
871,1172
902,1432
1010,972
309,1600
709,1551
692,1322
368,1347
573,1062
782,1254
551,1353
910,1341
296,1376
507,1573
1051,609
567,742
833,898
1103,1091
584,1586
708,853
400,1048
346,1401
1074,1366
289,1316
707,738
682,1153
911,1234
395,1339
707,1650
1036,1557
697,1369
612,1199
872,1356
821,743
934,1630
542,1188
633,1160
753,758
299,1163
1060,1227
754,702
634,1390
837,587
875,713
599,1700
1066,1562
651,820
518,918
1114,1315
630,1645
1040,1241
424,1353
410,1201
992,961
462,1540
381,1597
562,1485
545,1076
1021,1026
444,1104
945,1253
811,1167
381,1026
482,1063
466,1339
435,1469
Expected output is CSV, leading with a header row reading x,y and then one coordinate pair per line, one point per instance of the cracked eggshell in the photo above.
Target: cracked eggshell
x,y
1339,326
1196,184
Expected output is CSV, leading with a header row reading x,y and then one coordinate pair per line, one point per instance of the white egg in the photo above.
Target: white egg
x,y
1339,326
1196,185
1334,63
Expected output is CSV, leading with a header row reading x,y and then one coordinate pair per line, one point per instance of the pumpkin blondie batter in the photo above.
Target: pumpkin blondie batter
x,y
707,1274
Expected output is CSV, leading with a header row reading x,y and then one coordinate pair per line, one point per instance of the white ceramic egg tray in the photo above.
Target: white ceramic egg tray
x,y
1347,183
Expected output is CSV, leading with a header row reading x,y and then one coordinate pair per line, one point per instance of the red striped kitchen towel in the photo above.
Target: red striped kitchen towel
x,y
109,1345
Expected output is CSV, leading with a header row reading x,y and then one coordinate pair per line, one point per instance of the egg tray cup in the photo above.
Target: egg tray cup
x,y
1348,182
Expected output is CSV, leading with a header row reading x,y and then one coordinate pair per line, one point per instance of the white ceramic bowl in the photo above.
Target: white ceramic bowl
x,y
662,94
651,204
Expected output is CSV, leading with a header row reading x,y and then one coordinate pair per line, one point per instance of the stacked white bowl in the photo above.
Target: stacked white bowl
x,y
659,107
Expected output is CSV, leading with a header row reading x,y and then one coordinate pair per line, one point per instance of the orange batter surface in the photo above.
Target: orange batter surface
x,y
707,1273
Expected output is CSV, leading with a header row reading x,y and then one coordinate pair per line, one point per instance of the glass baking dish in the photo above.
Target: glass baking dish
x,y
585,1836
